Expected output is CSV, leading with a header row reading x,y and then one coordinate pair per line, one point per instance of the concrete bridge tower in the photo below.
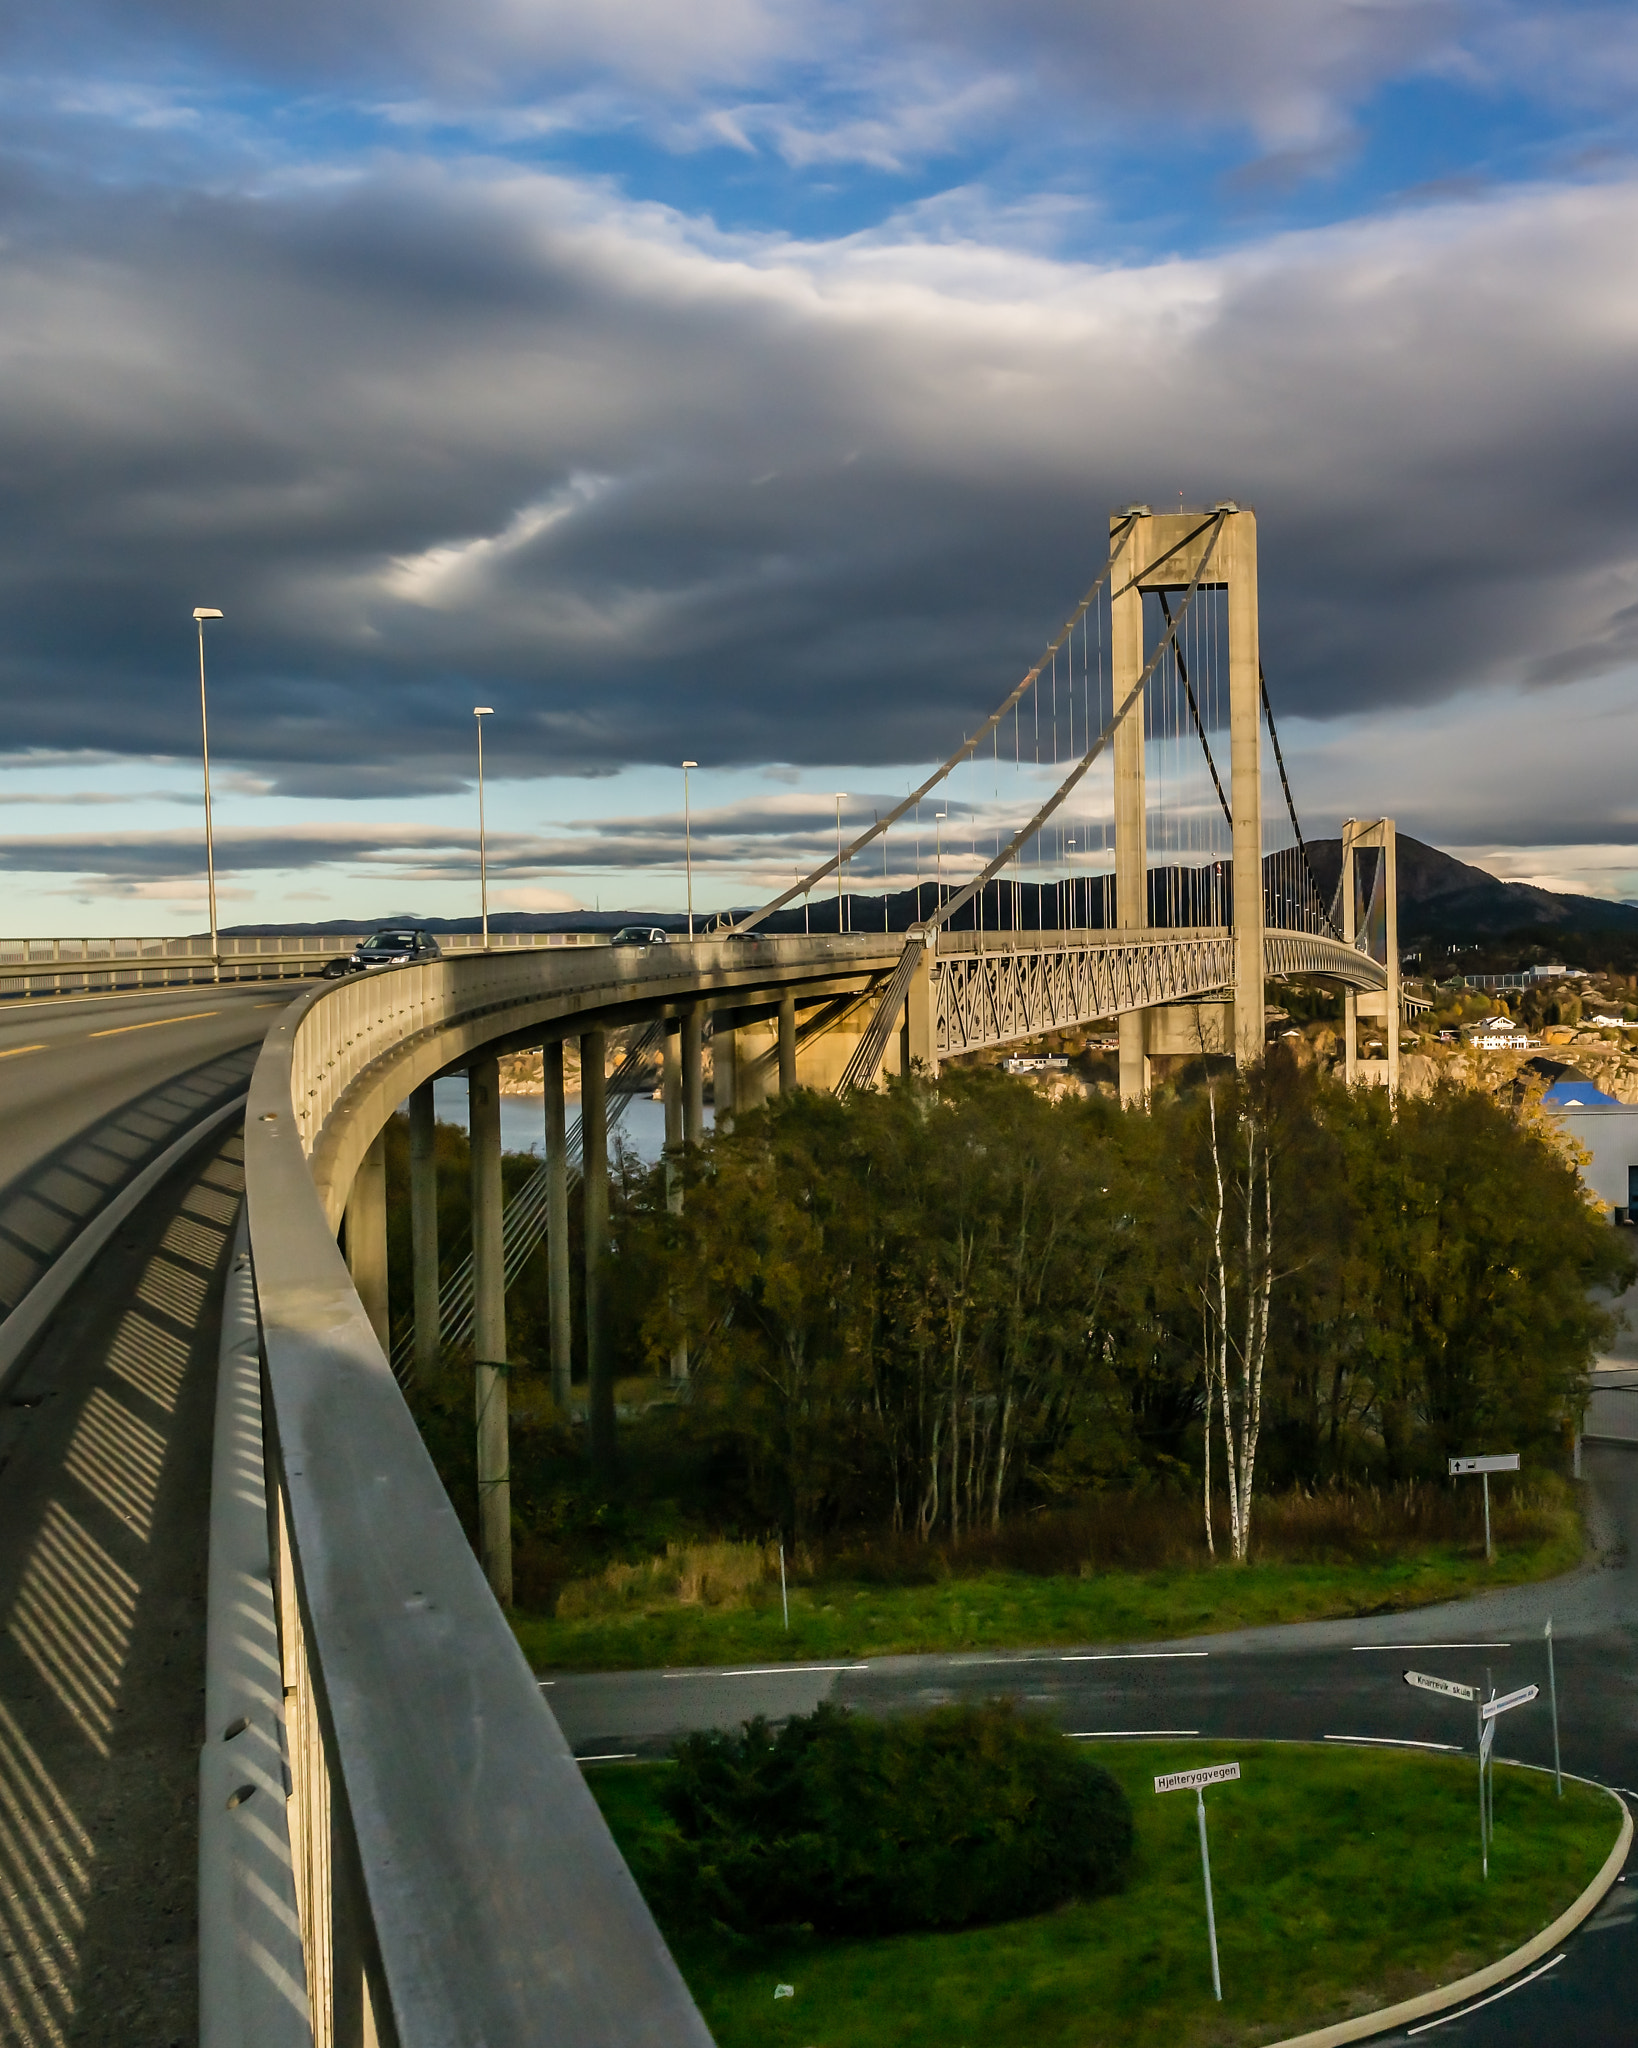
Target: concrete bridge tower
x,y
1164,553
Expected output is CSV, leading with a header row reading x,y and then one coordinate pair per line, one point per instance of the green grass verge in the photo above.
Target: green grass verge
x,y
1345,1879
1006,1609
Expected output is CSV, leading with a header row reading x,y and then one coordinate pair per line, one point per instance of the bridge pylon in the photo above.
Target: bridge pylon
x,y
1163,554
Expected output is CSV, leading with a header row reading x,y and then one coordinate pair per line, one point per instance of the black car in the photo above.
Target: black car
x,y
397,947
638,935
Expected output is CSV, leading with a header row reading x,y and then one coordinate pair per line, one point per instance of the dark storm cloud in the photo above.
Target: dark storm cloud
x,y
436,437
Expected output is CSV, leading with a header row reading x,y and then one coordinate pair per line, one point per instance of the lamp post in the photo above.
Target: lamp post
x,y
839,796
480,712
688,845
1069,848
938,857
202,612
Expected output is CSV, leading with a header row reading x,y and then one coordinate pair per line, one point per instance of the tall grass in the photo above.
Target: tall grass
x,y
1113,1532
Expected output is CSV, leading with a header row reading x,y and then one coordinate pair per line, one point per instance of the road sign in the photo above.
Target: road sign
x,y
1508,1701
1447,1686
1505,1461
1189,1781
1485,1741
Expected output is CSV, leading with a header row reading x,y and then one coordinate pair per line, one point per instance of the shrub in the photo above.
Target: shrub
x,y
856,1826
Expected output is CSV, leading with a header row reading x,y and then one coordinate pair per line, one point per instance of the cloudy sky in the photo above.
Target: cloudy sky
x,y
749,383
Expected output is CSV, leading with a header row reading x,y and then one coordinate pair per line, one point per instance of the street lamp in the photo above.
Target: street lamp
x,y
480,712
839,796
202,612
688,845
938,856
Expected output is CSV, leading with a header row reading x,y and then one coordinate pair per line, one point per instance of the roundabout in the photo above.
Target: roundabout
x,y
1329,1684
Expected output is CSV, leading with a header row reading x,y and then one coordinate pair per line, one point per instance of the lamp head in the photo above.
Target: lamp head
x,y
483,711
205,611
691,764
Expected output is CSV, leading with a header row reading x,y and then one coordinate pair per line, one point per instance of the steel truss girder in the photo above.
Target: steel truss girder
x,y
1011,986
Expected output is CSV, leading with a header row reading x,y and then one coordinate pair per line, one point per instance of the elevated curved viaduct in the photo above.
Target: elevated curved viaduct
x,y
440,1826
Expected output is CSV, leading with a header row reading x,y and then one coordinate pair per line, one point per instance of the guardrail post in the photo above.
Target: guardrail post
x,y
424,1227
594,1180
366,1225
557,1221
489,1328
693,1076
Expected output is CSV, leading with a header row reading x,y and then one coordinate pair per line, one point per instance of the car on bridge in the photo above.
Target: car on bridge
x,y
396,947
638,935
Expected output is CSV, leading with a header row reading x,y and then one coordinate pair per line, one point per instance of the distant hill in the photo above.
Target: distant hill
x,y
1442,902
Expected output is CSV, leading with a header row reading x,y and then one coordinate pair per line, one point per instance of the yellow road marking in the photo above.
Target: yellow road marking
x,y
152,1024
12,1051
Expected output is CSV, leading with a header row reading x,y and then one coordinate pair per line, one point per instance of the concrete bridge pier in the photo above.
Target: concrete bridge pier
x,y
725,1068
594,1181
424,1228
559,1305
671,1093
366,1235
693,1075
787,1043
489,1328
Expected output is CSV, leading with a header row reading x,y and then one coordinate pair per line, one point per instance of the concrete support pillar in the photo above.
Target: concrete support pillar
x,y
693,1076
1390,883
559,1300
1350,916
1235,563
489,1329
787,1043
594,1181
424,1228
367,1236
1131,796
725,1070
919,1032
671,1094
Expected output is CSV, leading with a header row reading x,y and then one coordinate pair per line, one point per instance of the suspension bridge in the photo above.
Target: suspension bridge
x,y
395,1842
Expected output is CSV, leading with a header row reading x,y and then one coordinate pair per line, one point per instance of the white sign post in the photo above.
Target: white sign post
x,y
1489,1714
1463,1468
1197,1781
1447,1688
1552,1689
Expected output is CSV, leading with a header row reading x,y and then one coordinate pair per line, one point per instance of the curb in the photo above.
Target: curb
x,y
1368,2023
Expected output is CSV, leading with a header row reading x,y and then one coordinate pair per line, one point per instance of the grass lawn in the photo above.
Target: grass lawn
x,y
1345,1879
1006,1609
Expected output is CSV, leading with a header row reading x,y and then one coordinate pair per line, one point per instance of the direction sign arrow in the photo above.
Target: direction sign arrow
x,y
1447,1686
1509,1700
1505,1461
1486,1738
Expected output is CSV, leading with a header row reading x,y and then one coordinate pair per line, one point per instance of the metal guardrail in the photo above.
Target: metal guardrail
x,y
92,966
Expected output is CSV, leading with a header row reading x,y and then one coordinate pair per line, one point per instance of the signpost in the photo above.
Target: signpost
x,y
1197,1781
1552,1688
1463,1468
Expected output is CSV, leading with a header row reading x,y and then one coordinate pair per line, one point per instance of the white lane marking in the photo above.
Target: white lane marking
x,y
1132,1656
1102,1734
543,1682
1429,1646
612,1756
1506,1991
1395,1742
766,1671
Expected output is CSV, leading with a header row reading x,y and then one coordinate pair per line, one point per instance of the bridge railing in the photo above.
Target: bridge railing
x,y
90,966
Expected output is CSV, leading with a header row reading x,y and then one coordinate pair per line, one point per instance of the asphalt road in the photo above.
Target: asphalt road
x,y
105,1451
1337,1681
92,1087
